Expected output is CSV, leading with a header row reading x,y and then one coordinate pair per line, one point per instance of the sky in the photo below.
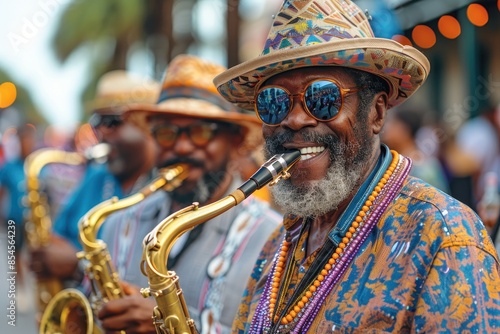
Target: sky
x,y
26,27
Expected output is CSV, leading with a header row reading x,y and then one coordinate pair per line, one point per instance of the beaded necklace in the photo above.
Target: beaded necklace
x,y
301,314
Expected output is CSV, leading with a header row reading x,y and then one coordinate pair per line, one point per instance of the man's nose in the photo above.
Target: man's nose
x,y
298,117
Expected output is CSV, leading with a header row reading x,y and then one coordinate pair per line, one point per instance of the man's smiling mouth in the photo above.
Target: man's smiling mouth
x,y
311,151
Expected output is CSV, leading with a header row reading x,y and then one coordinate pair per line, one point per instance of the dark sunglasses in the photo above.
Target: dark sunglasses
x,y
200,133
106,121
322,99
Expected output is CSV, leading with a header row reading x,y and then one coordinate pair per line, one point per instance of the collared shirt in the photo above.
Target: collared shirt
x,y
98,185
427,266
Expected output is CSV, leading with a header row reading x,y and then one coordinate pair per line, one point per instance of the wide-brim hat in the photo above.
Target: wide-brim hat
x,y
325,33
118,88
188,90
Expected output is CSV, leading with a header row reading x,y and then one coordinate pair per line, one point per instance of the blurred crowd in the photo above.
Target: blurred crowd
x,y
464,163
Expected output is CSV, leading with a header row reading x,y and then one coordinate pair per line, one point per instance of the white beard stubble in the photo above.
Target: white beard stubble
x,y
321,196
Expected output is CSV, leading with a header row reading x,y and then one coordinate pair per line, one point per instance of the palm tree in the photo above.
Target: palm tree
x,y
105,29
109,29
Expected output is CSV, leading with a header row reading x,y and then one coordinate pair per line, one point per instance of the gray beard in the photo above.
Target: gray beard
x,y
321,196
204,189
318,197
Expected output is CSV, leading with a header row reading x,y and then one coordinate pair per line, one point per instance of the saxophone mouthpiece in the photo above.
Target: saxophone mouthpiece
x,y
98,153
271,171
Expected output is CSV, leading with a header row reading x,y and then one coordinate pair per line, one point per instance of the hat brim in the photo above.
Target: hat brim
x,y
140,115
403,67
119,110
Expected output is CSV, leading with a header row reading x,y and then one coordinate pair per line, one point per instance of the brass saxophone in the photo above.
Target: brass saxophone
x,y
38,228
105,282
171,313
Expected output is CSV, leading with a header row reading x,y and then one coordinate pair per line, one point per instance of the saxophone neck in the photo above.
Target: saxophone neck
x,y
91,222
159,241
42,157
40,224
89,227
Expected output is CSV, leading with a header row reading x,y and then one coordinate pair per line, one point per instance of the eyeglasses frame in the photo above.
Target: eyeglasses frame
x,y
344,92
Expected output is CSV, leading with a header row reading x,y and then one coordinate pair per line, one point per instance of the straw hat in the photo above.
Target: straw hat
x,y
325,33
187,90
117,89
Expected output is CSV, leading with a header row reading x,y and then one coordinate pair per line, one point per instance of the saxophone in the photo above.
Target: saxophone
x,y
70,308
38,228
171,313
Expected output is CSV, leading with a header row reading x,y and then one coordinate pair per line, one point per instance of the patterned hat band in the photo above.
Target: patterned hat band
x,y
194,93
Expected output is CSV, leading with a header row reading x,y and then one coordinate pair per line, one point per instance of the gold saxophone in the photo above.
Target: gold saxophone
x,y
39,225
171,313
70,308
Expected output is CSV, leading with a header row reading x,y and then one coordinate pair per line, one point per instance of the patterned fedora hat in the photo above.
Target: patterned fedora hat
x,y
187,90
325,33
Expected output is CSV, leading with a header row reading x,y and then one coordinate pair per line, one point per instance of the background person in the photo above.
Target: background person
x,y
400,134
479,139
367,248
129,163
192,125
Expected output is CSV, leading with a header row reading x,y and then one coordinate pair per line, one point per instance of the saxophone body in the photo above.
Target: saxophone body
x,y
38,228
105,282
171,313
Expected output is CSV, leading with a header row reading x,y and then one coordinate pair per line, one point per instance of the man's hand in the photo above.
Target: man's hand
x,y
57,260
131,313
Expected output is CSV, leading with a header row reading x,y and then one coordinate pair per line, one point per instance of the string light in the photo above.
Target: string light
x,y
423,36
402,39
477,14
8,94
449,26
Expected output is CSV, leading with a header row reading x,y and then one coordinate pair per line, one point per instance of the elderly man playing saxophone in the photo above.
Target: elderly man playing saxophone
x,y
368,248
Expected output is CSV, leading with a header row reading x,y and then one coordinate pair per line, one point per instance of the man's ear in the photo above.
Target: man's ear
x,y
379,111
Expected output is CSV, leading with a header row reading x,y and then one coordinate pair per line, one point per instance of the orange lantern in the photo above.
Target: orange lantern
x,y
449,26
423,36
8,94
402,39
477,14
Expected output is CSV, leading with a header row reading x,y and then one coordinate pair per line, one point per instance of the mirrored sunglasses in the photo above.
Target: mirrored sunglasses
x,y
105,121
322,99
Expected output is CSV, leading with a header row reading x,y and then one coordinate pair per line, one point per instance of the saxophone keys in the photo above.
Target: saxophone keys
x,y
145,292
